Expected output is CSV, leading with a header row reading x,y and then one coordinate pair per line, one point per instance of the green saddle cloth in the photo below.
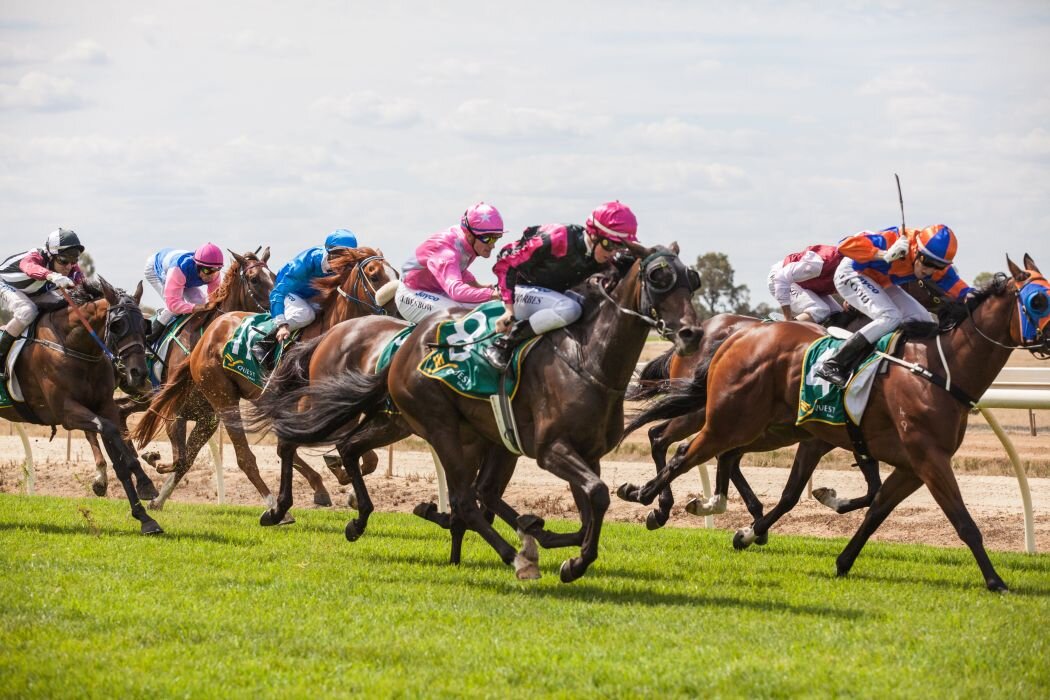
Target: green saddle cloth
x,y
820,400
458,362
237,353
391,348
5,398
155,365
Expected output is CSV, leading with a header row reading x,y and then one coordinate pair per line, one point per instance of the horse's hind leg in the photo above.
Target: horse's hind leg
x,y
898,485
870,469
321,497
245,457
661,437
278,514
185,450
101,481
350,453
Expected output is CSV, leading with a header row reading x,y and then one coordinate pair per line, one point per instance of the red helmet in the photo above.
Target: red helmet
x,y
614,221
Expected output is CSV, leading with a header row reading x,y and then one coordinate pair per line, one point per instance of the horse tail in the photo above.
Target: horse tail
x,y
333,403
678,397
165,405
650,378
290,378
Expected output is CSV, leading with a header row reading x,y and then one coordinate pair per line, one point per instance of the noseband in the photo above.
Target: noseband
x,y
1032,337
247,283
370,291
650,292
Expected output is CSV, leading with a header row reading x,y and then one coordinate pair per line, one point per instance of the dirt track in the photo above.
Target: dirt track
x,y
994,501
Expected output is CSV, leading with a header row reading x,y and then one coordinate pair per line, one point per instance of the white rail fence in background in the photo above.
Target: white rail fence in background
x,y
1014,388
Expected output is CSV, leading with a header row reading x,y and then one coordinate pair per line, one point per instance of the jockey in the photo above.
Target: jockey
x,y
290,306
803,283
535,271
30,278
874,267
436,277
184,280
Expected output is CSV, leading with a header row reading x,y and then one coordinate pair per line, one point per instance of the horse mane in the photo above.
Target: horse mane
x,y
229,280
342,262
951,313
90,290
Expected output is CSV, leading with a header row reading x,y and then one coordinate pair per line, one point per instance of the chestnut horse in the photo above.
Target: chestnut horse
x,y
915,425
67,379
569,407
245,286
363,283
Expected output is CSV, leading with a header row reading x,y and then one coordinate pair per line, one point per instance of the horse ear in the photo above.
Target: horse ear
x,y
1029,264
239,258
265,255
674,247
1018,274
138,292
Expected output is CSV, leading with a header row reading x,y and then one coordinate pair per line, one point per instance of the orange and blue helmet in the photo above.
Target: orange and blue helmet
x,y
937,244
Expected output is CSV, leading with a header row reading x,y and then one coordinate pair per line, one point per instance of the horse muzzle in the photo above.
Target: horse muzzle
x,y
687,339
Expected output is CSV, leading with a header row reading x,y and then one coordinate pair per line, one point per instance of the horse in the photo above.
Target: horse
x,y
362,283
569,407
915,419
68,376
245,286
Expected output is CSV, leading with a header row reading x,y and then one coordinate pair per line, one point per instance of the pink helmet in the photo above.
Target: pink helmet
x,y
483,219
208,255
614,221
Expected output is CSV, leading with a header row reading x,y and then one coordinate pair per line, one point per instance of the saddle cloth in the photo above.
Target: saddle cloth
x,y
237,354
155,364
822,401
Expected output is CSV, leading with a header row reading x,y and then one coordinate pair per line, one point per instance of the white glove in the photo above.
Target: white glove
x,y
60,281
897,251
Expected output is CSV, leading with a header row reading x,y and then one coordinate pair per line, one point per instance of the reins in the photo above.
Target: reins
x,y
363,281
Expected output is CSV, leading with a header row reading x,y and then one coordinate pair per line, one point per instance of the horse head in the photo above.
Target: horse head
x,y
1032,328
124,337
248,282
661,292
364,279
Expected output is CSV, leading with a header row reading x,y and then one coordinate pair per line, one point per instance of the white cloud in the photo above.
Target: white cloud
x,y
1034,144
84,51
40,92
902,81
448,70
368,108
251,41
487,119
676,134
12,55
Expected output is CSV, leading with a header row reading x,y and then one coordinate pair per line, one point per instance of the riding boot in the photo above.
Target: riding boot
x,y
263,351
6,341
499,353
838,368
156,332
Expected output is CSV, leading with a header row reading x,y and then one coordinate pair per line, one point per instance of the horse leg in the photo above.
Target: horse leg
x,y
727,464
807,456
898,485
245,457
101,481
350,453
870,469
277,514
754,506
185,450
661,437
321,497
562,460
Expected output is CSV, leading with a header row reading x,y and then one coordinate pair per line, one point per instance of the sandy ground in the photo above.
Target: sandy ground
x,y
994,501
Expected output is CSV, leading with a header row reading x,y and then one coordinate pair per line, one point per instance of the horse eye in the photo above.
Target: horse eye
x,y
1039,302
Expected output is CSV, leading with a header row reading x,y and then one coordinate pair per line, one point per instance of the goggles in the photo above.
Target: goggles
x,y
207,270
609,244
488,238
67,259
927,261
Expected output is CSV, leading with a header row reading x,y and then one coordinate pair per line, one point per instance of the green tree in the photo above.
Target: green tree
x,y
982,279
717,292
87,264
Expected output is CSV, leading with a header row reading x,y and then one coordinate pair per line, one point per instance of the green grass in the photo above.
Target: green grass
x,y
219,607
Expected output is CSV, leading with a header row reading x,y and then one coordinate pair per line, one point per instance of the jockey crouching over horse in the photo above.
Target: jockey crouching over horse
x,y
73,352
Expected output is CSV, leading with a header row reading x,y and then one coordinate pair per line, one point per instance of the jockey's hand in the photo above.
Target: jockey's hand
x,y
283,333
60,281
495,292
199,308
504,322
896,251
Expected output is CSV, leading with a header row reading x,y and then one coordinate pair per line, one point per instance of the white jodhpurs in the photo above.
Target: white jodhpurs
x,y
23,310
806,301
546,309
191,295
299,312
887,307
415,304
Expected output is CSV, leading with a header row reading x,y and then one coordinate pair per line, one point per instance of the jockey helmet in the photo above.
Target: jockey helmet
x,y
937,244
208,255
340,238
615,222
483,220
63,239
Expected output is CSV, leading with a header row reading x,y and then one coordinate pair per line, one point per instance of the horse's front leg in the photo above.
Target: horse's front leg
x,y
661,437
100,484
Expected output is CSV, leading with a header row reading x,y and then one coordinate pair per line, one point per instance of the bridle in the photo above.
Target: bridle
x,y
1032,337
116,313
247,283
371,304
650,292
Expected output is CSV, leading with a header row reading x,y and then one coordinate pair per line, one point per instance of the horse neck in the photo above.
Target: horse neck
x,y
613,343
72,333
974,361
339,308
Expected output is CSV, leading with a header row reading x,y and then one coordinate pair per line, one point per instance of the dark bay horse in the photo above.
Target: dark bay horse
x,y
569,408
916,426
67,379
245,286
363,283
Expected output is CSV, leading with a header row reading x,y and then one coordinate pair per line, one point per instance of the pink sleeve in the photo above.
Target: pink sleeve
x,y
444,265
173,290
33,265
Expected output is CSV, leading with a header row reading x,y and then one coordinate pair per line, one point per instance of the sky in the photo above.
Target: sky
x,y
748,128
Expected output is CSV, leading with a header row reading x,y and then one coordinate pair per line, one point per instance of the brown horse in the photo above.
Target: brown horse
x,y
914,424
67,379
245,287
362,283
569,408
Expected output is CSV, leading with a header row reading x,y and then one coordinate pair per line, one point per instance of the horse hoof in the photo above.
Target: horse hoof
x,y
528,521
568,571
739,542
369,463
150,457
322,499
351,501
156,505
526,570
287,520
825,496
150,527
268,518
99,489
425,510
655,520
762,539
146,491
695,507
997,586
352,532
628,492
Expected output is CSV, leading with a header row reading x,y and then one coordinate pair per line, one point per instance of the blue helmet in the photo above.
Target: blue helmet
x,y
340,238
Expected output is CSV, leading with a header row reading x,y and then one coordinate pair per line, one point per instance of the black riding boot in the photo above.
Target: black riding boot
x,y
156,331
6,341
264,350
838,368
499,353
